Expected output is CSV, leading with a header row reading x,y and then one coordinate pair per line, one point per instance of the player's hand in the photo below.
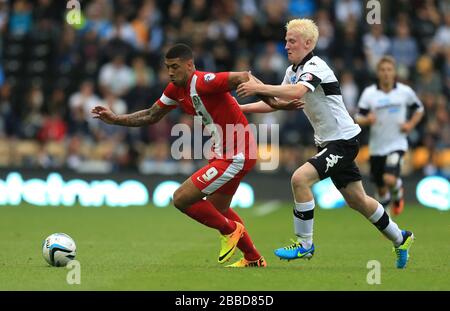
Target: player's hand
x,y
105,114
248,88
406,127
294,104
371,118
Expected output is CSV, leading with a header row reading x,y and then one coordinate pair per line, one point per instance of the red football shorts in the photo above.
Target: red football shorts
x,y
222,175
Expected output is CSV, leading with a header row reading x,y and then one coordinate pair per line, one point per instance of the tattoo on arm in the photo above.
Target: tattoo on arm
x,y
236,78
143,117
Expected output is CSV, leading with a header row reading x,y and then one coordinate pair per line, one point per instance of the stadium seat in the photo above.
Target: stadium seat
x,y
443,158
420,158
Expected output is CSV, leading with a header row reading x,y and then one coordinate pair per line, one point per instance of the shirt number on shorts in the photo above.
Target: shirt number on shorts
x,y
210,174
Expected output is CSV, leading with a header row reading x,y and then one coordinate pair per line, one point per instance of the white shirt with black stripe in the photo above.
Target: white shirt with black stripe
x,y
324,106
390,110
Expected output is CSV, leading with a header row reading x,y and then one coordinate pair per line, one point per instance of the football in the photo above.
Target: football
x,y
58,249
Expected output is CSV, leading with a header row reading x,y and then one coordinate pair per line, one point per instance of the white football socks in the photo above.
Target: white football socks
x,y
389,228
303,222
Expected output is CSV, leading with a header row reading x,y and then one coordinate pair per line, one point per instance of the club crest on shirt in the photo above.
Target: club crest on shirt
x,y
209,77
306,77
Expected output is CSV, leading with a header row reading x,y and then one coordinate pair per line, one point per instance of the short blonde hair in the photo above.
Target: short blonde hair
x,y
386,59
305,27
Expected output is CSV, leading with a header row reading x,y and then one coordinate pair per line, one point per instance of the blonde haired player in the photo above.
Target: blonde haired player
x,y
310,79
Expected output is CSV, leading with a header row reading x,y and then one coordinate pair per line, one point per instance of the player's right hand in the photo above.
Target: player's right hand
x,y
371,118
105,114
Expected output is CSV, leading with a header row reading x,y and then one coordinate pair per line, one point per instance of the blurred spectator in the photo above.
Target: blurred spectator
x,y
54,128
123,31
428,81
142,73
108,132
146,26
426,24
347,47
441,40
350,92
20,20
348,9
222,26
81,104
32,118
249,33
275,12
8,120
270,64
376,44
326,35
198,10
4,14
115,77
302,8
98,14
404,47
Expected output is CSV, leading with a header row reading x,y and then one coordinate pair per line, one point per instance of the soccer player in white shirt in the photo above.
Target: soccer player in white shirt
x,y
384,107
309,78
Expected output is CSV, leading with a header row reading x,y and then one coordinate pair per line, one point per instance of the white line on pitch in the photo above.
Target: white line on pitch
x,y
267,208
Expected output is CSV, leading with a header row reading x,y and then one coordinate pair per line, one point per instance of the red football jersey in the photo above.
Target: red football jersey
x,y
207,95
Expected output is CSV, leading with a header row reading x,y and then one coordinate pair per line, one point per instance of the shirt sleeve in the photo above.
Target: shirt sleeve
x,y
312,76
364,102
167,99
212,83
414,101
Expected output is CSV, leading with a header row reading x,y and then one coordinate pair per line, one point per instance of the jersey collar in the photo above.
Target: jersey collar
x,y
304,60
379,87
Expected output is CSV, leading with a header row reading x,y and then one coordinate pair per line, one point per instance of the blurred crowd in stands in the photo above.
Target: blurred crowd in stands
x,y
52,73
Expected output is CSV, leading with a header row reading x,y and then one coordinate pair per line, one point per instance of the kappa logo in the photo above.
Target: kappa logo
x,y
332,160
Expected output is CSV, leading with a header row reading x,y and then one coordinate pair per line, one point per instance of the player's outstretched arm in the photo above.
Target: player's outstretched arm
x,y
270,104
286,92
138,118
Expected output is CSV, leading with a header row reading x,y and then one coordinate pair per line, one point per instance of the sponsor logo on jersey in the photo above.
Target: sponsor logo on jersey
x,y
312,64
293,79
209,77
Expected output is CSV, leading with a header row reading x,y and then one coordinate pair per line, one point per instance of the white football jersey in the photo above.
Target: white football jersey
x,y
324,106
390,110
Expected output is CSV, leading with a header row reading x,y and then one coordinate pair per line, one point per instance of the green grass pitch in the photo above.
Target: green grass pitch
x,y
149,248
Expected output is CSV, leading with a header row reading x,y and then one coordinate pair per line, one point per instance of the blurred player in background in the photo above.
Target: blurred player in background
x,y
206,95
384,107
311,79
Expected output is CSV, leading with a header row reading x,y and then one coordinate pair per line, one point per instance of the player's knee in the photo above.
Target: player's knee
x,y
389,180
299,180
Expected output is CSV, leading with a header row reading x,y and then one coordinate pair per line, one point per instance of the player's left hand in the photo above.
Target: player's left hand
x,y
406,127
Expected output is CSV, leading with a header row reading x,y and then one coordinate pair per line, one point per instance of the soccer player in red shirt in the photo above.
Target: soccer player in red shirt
x,y
233,156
